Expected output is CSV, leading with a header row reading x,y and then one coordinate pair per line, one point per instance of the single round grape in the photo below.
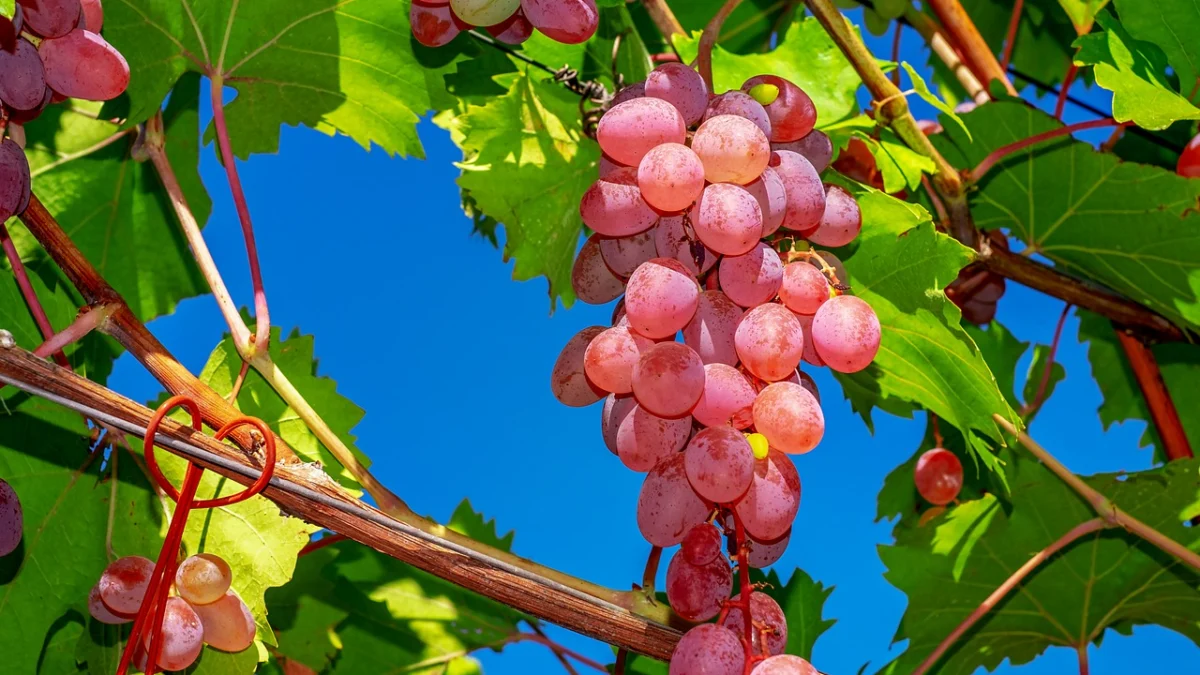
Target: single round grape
x,y
842,220
810,354
792,113
697,592
671,241
432,25
682,87
768,621
635,90
708,649
810,385
752,278
711,331
629,130
591,279
767,553
228,624
616,409
622,255
727,219
1189,160
22,77
668,379
568,379
182,635
93,15
771,503
82,65
611,356
790,417
567,21
644,439
758,445
803,289
815,147
845,332
613,206
661,298
123,583
702,544
484,12
671,177
14,179
939,476
727,399
805,193
784,664
732,149
103,614
667,505
203,578
770,342
51,18
771,194
720,464
12,519
741,104
18,116
513,31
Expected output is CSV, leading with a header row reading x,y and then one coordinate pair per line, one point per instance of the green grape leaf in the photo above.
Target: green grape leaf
x,y
113,206
1159,148
8,8
1083,13
1168,24
929,97
805,55
899,265
900,166
632,60
1077,207
802,600
526,163
949,565
1135,72
58,656
750,28
1044,36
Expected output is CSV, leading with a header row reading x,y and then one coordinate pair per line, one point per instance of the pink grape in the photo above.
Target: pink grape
x,y
682,87
616,409
514,30
727,399
611,356
661,298
614,207
732,149
484,12
790,417
14,179
228,624
702,544
592,280
635,90
568,379
771,194
182,635
769,342
939,476
12,519
842,220
727,219
697,592
767,553
784,664
18,116
123,583
771,503
567,21
711,331
668,506
644,439
708,649
763,611
22,77
102,613
810,354
629,130
720,464
846,334
805,193
668,379
203,578
792,113
93,15
804,288
741,104
805,380
753,278
816,148
622,255
432,25
607,167
671,177
82,65
671,241
51,18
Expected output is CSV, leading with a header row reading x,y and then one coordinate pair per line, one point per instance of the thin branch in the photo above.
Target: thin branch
x,y
619,666
88,320
974,49
662,16
1083,529
1068,79
897,29
560,652
1038,398
113,456
1083,659
1158,399
1006,150
650,573
31,300
237,384
1010,38
708,40
314,546
941,47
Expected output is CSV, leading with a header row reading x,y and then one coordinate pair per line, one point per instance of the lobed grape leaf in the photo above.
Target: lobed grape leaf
x,y
949,565
1077,207
1136,73
1083,13
1167,23
750,28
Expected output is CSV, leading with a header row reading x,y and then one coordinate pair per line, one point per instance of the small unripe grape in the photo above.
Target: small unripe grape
x,y
203,578
793,114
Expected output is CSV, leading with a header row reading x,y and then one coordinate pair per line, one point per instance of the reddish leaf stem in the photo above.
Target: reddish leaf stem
x,y
27,292
622,657
561,650
664,19
650,573
1083,659
1006,150
1036,402
938,206
708,40
89,320
327,540
1061,103
896,55
237,384
974,49
556,649
1158,398
1010,38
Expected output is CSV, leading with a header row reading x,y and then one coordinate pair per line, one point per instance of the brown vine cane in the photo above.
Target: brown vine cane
x,y
148,624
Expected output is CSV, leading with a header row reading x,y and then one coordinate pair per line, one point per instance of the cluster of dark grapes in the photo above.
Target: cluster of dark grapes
x,y
437,22
203,610
50,50
705,213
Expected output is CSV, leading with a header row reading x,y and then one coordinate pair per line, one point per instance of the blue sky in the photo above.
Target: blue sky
x,y
422,326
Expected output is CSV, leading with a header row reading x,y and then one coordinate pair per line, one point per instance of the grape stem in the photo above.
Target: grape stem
x,y
619,665
651,572
560,652
31,300
966,36
1005,150
113,456
899,27
316,545
1036,402
708,40
662,16
1158,399
745,589
89,319
1068,79
1010,39
1083,659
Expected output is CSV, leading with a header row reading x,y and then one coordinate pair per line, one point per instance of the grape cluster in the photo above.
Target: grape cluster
x,y
697,197
437,22
12,519
204,611
50,50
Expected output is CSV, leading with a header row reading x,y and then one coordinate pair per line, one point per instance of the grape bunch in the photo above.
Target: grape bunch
x,y
12,519
437,22
705,215
50,50
204,610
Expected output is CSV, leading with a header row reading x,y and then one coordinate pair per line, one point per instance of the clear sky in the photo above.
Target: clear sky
x,y
421,325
